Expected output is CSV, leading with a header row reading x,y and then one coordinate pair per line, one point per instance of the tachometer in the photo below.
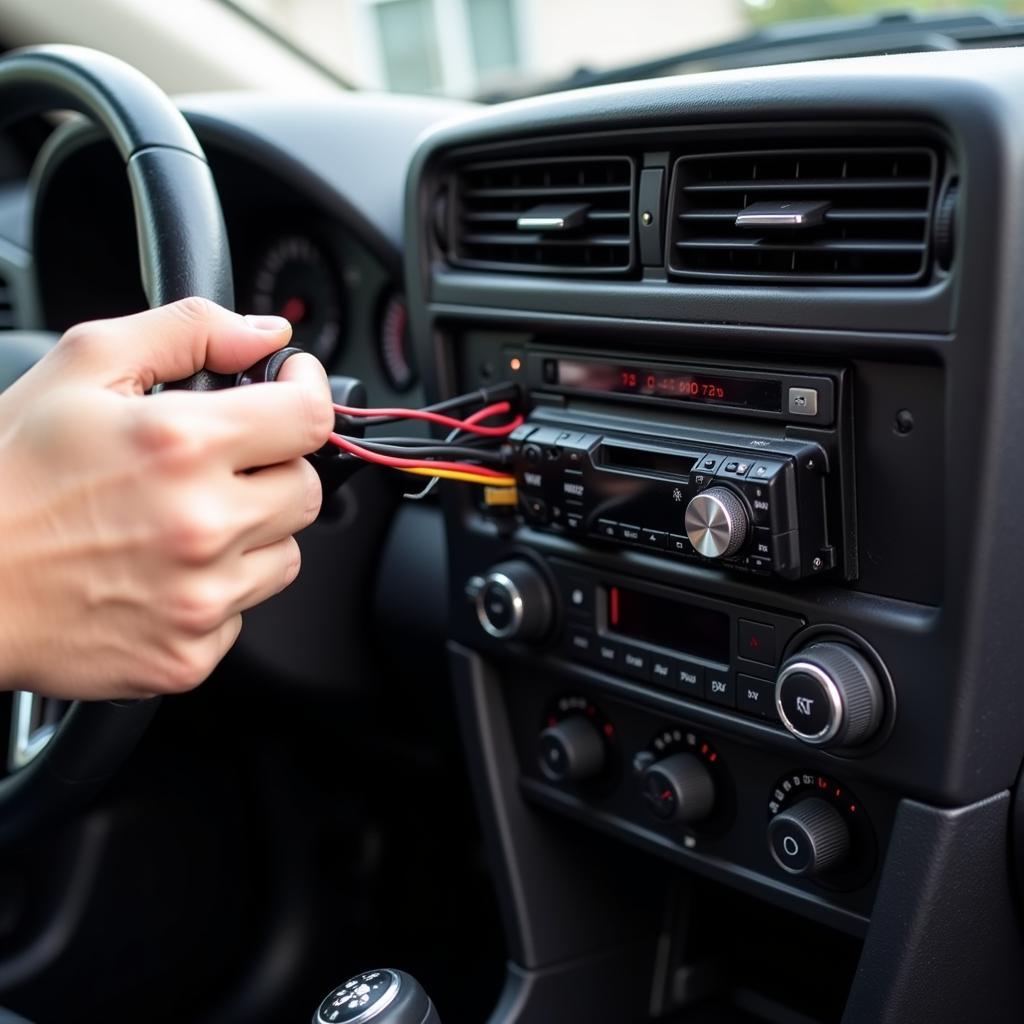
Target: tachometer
x,y
297,278
394,346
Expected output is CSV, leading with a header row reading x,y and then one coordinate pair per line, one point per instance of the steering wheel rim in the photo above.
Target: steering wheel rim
x,y
183,251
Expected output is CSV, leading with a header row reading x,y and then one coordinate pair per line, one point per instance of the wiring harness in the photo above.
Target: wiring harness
x,y
471,452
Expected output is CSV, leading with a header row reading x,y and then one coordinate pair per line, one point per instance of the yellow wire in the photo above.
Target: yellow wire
x,y
466,477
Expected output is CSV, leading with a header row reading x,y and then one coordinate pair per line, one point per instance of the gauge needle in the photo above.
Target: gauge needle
x,y
294,310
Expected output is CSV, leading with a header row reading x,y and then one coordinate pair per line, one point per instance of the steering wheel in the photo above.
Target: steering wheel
x,y
183,250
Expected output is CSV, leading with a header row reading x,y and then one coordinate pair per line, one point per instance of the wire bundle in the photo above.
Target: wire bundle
x,y
450,459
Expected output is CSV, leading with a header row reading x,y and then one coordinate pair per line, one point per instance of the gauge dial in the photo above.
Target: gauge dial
x,y
296,278
394,346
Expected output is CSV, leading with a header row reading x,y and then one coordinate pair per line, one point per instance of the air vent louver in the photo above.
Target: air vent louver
x,y
584,206
869,217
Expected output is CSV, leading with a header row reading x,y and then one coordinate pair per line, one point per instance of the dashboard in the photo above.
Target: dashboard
x,y
737,677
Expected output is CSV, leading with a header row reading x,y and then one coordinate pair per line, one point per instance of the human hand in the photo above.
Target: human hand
x,y
136,528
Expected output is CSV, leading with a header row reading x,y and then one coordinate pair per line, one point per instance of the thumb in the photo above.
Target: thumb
x,y
133,353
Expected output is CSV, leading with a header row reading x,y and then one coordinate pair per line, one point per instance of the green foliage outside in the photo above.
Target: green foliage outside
x,y
766,12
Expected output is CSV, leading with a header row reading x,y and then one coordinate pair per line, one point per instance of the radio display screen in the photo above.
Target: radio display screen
x,y
696,387
686,628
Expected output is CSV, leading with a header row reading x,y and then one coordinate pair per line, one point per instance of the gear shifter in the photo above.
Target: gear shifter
x,y
380,997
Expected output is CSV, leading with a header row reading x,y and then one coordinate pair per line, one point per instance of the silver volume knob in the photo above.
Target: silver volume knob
x,y
716,523
829,695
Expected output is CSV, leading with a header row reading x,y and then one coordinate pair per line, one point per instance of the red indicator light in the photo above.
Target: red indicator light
x,y
822,782
552,720
853,808
666,794
713,758
609,730
839,792
704,748
754,643
613,605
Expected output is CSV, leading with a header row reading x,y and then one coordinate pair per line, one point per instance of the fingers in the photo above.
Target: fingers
x,y
264,572
278,501
133,353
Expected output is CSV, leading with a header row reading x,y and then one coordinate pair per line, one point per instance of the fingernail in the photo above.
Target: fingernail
x,y
267,323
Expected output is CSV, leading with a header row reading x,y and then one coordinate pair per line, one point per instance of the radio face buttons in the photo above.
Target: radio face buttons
x,y
716,523
803,402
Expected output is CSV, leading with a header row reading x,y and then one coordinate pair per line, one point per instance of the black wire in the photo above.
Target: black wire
x,y
435,450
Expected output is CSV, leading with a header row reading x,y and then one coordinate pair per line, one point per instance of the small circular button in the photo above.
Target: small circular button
x,y
678,788
809,838
514,602
572,750
716,523
829,695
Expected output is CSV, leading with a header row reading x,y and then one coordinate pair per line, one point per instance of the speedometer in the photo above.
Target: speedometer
x,y
297,278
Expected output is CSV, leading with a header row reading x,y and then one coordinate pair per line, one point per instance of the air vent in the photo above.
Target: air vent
x,y
819,216
554,216
7,321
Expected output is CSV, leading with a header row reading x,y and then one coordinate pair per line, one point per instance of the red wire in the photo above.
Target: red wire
x,y
470,424
398,463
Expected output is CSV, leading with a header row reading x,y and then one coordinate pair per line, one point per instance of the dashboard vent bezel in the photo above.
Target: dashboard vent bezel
x,y
612,228
885,249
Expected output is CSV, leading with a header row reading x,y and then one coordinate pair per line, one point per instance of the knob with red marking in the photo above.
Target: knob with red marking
x,y
678,789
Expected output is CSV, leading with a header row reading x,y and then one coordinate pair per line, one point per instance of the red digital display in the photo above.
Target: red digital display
x,y
677,385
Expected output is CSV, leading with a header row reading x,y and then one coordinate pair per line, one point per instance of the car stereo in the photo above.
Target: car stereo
x,y
754,504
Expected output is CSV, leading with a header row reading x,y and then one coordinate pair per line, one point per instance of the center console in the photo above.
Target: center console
x,y
725,648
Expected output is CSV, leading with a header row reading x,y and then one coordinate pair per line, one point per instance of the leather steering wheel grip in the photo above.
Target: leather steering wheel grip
x,y
183,242
183,250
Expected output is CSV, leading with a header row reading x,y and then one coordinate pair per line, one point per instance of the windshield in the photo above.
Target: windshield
x,y
502,48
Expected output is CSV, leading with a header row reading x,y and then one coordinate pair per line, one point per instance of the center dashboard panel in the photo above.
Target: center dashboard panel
x,y
726,613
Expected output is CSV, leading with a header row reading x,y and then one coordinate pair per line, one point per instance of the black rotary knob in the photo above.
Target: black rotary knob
x,y
808,838
678,789
829,695
514,602
572,750
716,522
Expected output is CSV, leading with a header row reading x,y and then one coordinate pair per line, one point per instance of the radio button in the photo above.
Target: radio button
x,y
573,522
654,538
737,469
755,696
608,654
607,528
636,663
689,679
680,544
762,542
662,671
708,463
536,509
628,533
719,688
760,565
577,595
757,642
580,642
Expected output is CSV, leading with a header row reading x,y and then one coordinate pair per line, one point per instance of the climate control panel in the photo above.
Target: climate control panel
x,y
699,797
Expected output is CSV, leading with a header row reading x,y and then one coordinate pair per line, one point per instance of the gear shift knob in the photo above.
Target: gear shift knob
x,y
378,997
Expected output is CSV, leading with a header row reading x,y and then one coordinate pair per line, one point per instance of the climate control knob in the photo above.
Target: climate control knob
x,y
716,522
828,694
809,838
514,602
678,789
572,750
